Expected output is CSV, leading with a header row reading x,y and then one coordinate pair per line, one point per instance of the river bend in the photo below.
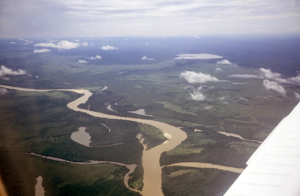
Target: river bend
x,y
150,159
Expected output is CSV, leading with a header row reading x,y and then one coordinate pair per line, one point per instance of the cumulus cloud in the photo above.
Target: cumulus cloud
x,y
84,44
28,41
243,76
41,50
295,80
218,69
224,62
146,58
297,96
243,99
208,107
107,47
7,71
274,86
82,61
64,45
3,91
196,95
96,57
267,73
193,77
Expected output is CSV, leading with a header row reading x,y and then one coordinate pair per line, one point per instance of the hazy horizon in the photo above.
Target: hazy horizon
x,y
159,18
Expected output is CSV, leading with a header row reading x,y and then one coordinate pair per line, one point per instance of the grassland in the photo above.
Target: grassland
x,y
211,147
41,123
175,108
60,178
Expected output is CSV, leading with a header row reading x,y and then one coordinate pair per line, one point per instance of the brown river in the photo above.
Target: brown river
x,y
150,159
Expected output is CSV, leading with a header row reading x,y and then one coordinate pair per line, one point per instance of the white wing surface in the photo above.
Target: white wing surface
x,y
274,168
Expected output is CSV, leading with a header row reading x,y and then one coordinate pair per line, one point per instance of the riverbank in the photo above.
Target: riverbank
x,y
150,159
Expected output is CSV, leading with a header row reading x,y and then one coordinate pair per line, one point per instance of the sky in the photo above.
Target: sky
x,y
101,18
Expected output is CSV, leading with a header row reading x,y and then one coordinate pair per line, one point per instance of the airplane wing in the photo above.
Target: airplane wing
x,y
274,168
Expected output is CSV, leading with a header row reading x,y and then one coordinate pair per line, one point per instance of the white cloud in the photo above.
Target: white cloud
x,y
146,43
295,80
28,41
297,96
267,73
146,58
84,44
274,86
107,47
198,56
193,77
196,95
3,91
243,76
96,57
208,107
222,98
224,62
218,69
7,71
41,50
147,18
243,99
60,45
82,61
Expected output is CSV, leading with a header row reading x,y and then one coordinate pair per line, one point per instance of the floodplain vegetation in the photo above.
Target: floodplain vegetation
x,y
41,123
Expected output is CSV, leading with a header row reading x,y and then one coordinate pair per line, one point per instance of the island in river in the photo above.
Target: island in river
x,y
203,116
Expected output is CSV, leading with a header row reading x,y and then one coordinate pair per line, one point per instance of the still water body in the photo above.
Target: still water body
x,y
150,160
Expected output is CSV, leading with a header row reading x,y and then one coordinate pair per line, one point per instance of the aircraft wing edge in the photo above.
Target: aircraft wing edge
x,y
274,168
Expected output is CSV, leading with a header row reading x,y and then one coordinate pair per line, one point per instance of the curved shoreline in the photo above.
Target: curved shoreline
x,y
150,159
131,167
238,136
206,165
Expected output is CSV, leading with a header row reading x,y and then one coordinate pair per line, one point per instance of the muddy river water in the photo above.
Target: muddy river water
x,y
150,159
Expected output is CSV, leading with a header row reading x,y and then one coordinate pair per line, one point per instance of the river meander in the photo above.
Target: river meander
x,y
150,160
152,178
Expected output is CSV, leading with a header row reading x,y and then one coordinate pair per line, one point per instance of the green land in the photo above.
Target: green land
x,y
41,123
